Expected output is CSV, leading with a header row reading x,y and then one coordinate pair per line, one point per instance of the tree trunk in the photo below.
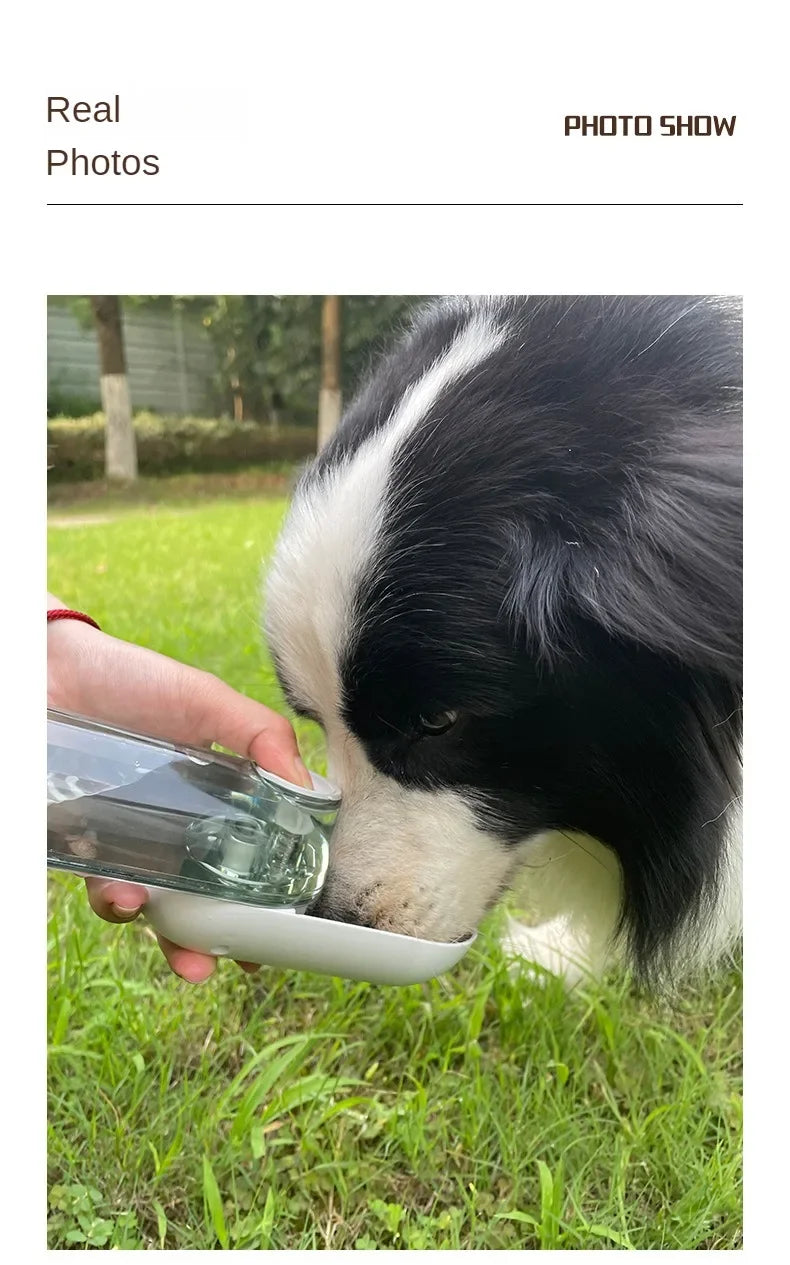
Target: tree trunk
x,y
330,397
120,446
235,388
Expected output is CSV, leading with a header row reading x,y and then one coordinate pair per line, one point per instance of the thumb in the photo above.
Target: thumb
x,y
147,692
248,728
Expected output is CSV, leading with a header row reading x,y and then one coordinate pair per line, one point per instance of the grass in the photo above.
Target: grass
x,y
481,1110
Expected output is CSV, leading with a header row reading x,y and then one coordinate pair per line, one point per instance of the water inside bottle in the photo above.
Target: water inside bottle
x,y
124,806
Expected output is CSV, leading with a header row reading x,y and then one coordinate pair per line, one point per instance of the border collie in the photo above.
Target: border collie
x,y
509,589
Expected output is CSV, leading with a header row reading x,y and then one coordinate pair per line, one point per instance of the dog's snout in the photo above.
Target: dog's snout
x,y
324,906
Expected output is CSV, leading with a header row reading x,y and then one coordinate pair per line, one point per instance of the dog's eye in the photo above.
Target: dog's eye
x,y
438,723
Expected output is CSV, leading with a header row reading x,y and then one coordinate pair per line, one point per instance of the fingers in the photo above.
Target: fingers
x,y
119,902
148,692
192,967
239,723
115,901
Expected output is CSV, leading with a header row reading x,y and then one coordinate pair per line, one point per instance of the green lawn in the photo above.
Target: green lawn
x,y
482,1110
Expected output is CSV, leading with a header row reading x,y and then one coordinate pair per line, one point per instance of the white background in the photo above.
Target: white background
x,y
408,102
420,102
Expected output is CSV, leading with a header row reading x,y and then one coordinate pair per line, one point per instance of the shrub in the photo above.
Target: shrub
x,y
172,445
61,405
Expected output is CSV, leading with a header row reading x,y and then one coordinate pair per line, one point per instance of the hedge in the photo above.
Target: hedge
x,y
172,445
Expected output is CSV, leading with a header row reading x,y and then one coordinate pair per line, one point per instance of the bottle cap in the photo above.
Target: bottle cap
x,y
324,797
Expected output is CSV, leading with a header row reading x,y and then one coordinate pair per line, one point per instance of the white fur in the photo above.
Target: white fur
x,y
722,928
408,860
569,890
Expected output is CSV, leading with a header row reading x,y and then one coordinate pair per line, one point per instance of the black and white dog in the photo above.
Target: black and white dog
x,y
509,589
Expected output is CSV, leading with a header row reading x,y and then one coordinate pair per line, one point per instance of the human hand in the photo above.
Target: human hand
x,y
96,675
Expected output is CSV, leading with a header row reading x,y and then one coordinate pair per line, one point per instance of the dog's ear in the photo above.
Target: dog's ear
x,y
673,582
673,579
674,585
668,578
640,531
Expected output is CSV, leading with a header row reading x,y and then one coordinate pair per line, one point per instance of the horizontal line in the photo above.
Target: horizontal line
x,y
393,204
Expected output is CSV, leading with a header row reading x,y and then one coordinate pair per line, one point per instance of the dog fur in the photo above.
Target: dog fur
x,y
509,589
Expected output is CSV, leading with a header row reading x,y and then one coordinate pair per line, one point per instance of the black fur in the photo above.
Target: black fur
x,y
560,563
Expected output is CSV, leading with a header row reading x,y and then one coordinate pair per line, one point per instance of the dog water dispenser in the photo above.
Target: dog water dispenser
x,y
232,856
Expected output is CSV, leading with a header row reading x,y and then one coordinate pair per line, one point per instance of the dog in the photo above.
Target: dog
x,y
509,590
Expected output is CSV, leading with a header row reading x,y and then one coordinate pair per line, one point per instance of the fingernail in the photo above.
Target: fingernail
x,y
125,898
302,778
125,911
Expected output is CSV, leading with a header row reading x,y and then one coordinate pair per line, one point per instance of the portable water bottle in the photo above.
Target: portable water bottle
x,y
232,855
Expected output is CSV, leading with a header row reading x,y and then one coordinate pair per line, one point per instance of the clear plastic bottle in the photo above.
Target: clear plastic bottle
x,y
122,805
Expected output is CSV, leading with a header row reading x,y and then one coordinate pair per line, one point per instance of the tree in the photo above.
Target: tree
x,y
269,347
267,351
330,397
120,445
